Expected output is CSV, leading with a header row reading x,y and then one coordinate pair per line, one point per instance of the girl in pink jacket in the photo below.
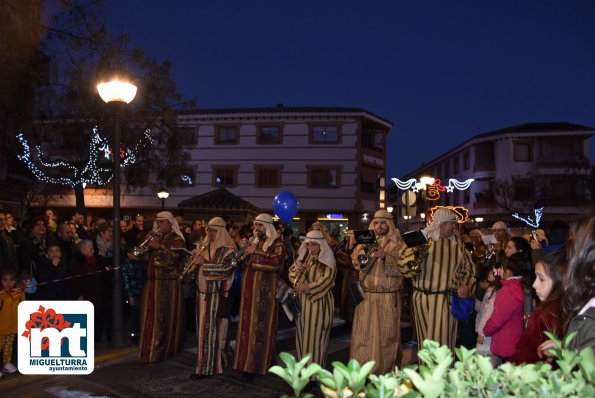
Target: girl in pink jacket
x,y
505,325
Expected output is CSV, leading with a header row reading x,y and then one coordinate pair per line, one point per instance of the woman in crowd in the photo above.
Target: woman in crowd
x,y
313,275
519,248
548,316
88,286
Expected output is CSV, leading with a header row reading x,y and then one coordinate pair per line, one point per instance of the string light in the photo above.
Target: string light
x,y
187,179
527,220
91,172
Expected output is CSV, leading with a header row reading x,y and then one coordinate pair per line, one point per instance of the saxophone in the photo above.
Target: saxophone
x,y
300,277
191,264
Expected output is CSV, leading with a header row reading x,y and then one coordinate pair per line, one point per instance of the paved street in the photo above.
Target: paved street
x,y
118,375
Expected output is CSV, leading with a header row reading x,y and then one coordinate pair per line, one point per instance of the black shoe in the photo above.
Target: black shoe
x,y
247,377
194,376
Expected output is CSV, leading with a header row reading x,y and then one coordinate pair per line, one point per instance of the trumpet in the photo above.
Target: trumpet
x,y
419,256
367,259
143,248
234,259
191,264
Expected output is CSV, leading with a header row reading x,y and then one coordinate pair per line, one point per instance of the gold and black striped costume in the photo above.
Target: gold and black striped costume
x,y
447,265
376,334
315,321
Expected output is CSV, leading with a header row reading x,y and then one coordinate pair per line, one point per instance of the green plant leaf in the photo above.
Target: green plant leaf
x,y
282,373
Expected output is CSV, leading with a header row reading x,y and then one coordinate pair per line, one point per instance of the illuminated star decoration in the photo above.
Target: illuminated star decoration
x,y
89,173
437,187
527,220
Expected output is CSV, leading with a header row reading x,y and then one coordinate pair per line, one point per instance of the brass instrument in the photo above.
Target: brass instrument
x,y
143,248
234,259
191,264
300,277
419,255
367,259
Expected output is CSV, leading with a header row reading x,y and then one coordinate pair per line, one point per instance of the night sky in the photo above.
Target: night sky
x,y
441,71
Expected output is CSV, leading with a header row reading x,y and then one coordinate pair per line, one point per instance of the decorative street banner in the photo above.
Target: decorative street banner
x,y
56,337
434,189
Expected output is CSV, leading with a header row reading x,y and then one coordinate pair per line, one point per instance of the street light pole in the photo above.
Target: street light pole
x,y
162,194
118,93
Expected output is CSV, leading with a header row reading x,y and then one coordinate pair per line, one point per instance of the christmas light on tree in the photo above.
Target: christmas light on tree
x,y
90,172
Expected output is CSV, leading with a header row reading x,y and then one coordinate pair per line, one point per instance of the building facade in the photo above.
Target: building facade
x,y
329,158
516,169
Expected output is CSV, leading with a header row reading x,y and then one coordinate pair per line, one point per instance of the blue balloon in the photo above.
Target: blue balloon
x,y
285,206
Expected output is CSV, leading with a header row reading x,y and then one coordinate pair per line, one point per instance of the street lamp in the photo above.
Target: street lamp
x,y
163,194
389,209
118,92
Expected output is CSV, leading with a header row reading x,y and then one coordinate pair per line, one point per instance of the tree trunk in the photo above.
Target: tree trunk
x,y
79,195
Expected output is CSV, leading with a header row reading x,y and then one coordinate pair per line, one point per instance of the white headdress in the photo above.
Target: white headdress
x,y
440,216
383,215
271,232
166,215
223,239
325,256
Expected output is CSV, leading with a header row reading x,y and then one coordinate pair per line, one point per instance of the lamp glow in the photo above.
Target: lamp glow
x,y
163,194
389,209
117,91
427,180
479,219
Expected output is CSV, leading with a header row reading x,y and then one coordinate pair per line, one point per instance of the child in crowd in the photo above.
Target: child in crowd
x,y
548,316
133,274
505,325
10,298
51,272
484,312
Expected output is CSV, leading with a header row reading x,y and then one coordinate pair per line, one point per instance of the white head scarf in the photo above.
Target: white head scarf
x,y
440,216
223,239
271,232
166,215
325,256
383,215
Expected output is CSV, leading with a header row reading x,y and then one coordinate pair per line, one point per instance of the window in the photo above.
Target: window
x,y
269,135
466,161
368,187
455,165
522,152
324,135
372,139
187,136
227,135
268,176
225,176
324,176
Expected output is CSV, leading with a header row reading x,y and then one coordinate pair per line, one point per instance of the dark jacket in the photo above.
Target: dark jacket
x,y
584,326
58,288
89,284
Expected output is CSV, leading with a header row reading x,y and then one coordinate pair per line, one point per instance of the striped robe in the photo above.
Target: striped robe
x,y
376,334
447,265
316,319
212,315
257,329
162,304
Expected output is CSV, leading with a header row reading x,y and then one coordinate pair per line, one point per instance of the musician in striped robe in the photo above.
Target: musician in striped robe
x,y
162,300
376,333
257,329
213,281
313,275
447,265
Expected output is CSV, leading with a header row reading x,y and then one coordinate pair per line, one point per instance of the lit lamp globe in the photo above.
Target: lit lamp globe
x,y
163,194
116,90
427,180
389,209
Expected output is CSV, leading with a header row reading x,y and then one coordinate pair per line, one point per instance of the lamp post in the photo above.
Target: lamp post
x,y
117,92
163,194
